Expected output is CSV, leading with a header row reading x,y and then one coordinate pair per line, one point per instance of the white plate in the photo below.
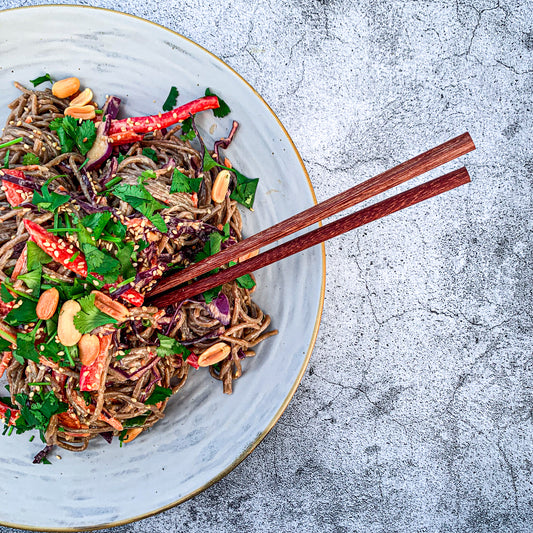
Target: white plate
x,y
205,433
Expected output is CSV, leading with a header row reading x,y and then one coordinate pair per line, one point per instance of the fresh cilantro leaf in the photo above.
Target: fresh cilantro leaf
x,y
70,291
47,200
6,160
151,153
141,200
223,110
97,222
209,162
32,279
85,136
246,281
244,191
116,229
121,158
170,346
90,317
35,413
172,98
36,256
42,79
211,246
187,131
99,261
124,255
5,345
72,134
31,159
23,314
158,395
84,237
26,348
226,231
211,294
182,183
56,124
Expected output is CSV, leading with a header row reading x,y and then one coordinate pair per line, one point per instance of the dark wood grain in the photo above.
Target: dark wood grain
x,y
374,212
401,173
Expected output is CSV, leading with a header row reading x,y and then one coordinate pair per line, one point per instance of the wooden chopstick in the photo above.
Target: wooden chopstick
x,y
364,216
401,173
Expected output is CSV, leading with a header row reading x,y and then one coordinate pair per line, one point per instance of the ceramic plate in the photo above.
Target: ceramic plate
x,y
205,433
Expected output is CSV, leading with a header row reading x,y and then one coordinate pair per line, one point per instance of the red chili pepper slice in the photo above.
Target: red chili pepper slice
x,y
20,264
16,194
91,376
133,297
14,413
193,360
124,137
60,250
164,120
6,359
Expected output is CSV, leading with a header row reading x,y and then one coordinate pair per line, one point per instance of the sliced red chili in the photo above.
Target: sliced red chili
x,y
60,250
164,120
14,413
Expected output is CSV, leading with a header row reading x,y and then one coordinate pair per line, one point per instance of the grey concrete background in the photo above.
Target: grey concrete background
x,y
415,414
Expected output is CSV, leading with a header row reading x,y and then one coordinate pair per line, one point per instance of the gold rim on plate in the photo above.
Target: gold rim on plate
x,y
285,403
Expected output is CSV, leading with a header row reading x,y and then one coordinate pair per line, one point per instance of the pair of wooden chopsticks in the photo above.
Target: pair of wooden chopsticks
x,y
168,291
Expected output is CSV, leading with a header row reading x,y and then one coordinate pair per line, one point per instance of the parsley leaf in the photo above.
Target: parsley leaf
x,y
182,183
5,295
47,200
6,160
97,222
135,422
187,131
90,317
172,98
42,79
158,395
151,153
124,255
141,200
170,346
223,110
31,159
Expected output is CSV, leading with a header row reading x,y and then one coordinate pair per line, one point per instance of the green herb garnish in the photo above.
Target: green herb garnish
x,y
221,111
170,346
182,183
47,200
150,153
31,159
71,133
172,98
11,143
42,79
187,131
90,317
158,395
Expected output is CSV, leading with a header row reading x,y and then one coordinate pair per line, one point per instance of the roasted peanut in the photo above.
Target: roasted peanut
x,y
66,87
82,99
220,187
249,255
66,331
89,347
47,304
85,112
109,306
214,354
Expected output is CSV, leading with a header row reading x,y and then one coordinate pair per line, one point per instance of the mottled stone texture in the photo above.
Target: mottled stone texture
x,y
415,414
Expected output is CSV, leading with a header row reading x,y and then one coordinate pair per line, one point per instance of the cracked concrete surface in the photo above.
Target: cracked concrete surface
x,y
415,414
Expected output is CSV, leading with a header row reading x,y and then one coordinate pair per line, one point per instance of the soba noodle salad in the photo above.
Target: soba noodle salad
x,y
94,211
